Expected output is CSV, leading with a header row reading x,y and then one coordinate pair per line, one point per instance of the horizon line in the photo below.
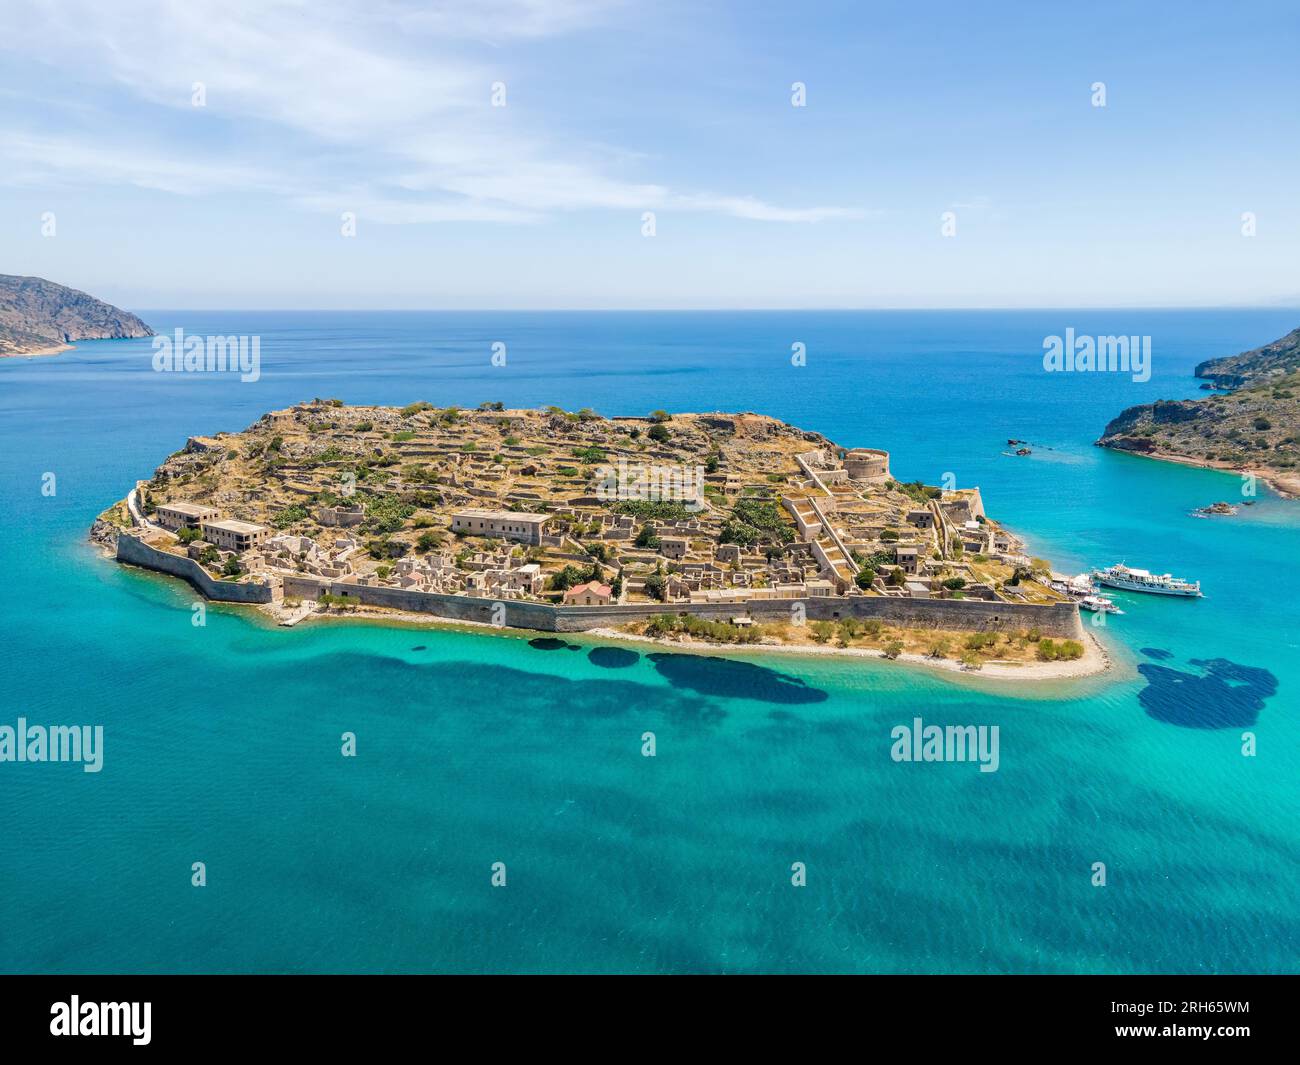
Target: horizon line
x,y
737,310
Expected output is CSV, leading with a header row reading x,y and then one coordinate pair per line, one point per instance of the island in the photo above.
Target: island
x,y
719,528
1250,423
38,317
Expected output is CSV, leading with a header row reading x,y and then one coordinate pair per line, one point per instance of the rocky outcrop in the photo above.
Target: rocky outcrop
x,y
104,533
1251,422
38,315
1251,367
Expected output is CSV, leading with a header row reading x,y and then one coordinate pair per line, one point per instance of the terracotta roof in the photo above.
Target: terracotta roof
x,y
595,587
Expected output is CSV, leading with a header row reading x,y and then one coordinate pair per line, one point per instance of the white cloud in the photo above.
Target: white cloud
x,y
385,105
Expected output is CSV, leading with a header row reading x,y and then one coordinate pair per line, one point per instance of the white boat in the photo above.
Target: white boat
x,y
1073,586
1140,580
1099,604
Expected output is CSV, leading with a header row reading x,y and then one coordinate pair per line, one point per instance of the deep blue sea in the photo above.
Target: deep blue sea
x,y
222,743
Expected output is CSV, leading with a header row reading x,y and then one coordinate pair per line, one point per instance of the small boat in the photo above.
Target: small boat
x,y
1074,587
1140,580
1099,604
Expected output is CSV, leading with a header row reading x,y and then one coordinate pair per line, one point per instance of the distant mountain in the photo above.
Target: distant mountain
x,y
38,315
1255,426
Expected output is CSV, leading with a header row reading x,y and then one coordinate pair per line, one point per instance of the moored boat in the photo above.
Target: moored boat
x,y
1140,580
1099,604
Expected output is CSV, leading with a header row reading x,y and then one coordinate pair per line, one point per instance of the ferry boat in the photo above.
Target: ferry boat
x,y
1140,580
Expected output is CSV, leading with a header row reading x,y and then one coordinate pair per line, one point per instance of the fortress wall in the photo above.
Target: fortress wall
x,y
518,614
1056,619
1060,619
138,553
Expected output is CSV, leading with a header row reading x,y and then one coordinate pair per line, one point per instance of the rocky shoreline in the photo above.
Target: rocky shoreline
x,y
1250,424
39,317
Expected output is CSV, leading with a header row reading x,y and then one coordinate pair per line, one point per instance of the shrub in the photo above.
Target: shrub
x,y
289,515
386,513
893,649
822,630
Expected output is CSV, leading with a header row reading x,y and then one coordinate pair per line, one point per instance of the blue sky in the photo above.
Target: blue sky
x,y
384,109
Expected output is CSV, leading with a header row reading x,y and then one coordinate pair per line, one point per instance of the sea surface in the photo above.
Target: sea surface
x,y
222,742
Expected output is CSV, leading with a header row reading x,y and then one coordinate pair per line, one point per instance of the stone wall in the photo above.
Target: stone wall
x,y
1060,619
137,553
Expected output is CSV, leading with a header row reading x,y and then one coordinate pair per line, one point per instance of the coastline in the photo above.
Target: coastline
x,y
1096,658
36,351
1284,484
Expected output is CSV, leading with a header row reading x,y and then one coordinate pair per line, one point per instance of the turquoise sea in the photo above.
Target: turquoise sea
x,y
222,743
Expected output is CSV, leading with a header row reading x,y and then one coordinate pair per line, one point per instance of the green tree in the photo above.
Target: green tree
x,y
822,630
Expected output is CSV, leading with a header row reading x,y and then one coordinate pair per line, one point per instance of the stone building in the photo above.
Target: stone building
x,y
507,524
340,516
177,516
589,593
231,535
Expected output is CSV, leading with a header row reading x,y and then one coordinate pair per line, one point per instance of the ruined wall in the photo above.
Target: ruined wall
x,y
138,553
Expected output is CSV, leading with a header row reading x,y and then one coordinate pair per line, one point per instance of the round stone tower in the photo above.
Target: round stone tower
x,y
867,464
